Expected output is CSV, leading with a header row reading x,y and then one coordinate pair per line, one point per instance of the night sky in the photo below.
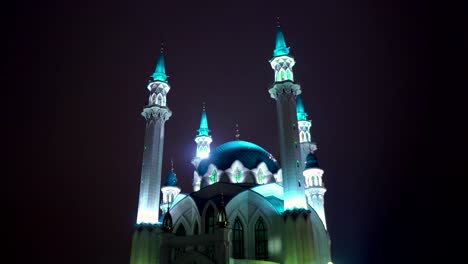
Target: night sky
x,y
378,81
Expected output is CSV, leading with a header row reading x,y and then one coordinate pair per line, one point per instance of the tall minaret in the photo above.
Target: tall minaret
x,y
304,125
203,140
315,189
284,91
145,243
156,114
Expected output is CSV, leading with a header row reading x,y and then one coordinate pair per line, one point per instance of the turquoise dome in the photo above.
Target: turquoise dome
x,y
246,152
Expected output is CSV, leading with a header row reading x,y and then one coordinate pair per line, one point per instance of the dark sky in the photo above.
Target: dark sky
x,y
378,80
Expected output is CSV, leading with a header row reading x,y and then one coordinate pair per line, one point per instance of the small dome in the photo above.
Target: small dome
x,y
171,179
246,152
311,162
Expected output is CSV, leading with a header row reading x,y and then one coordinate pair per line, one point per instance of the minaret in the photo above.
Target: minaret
x,y
284,91
145,249
156,114
315,190
203,140
169,190
304,125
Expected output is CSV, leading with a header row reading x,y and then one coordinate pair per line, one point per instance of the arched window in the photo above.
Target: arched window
x,y
159,99
261,240
308,137
289,74
303,136
283,75
237,175
152,99
195,229
180,231
209,220
213,176
238,240
260,176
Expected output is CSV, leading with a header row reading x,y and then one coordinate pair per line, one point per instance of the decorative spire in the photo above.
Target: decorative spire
x,y
203,130
281,49
301,114
237,132
167,224
160,71
171,179
222,216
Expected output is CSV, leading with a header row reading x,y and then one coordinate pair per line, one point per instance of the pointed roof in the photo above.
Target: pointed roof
x,y
203,130
160,71
301,114
281,49
311,162
171,179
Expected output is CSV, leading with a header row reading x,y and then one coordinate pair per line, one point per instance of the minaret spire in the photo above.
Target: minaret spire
x,y
237,132
281,48
282,63
160,71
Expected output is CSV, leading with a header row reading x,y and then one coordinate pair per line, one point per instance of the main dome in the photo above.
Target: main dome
x,y
248,153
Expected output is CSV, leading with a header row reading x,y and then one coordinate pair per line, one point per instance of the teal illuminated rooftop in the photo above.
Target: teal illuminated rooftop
x,y
171,179
281,49
203,130
160,71
301,114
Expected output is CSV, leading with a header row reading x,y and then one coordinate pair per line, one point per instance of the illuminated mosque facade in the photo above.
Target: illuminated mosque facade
x,y
244,207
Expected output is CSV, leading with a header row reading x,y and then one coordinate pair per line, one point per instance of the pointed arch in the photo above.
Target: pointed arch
x,y
260,176
159,99
289,74
214,176
282,75
209,219
238,239
261,239
302,136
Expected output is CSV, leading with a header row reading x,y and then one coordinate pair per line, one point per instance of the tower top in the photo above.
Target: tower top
x,y
204,130
171,179
311,162
301,114
160,71
280,49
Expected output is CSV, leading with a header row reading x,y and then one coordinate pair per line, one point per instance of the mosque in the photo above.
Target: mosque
x,y
245,207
